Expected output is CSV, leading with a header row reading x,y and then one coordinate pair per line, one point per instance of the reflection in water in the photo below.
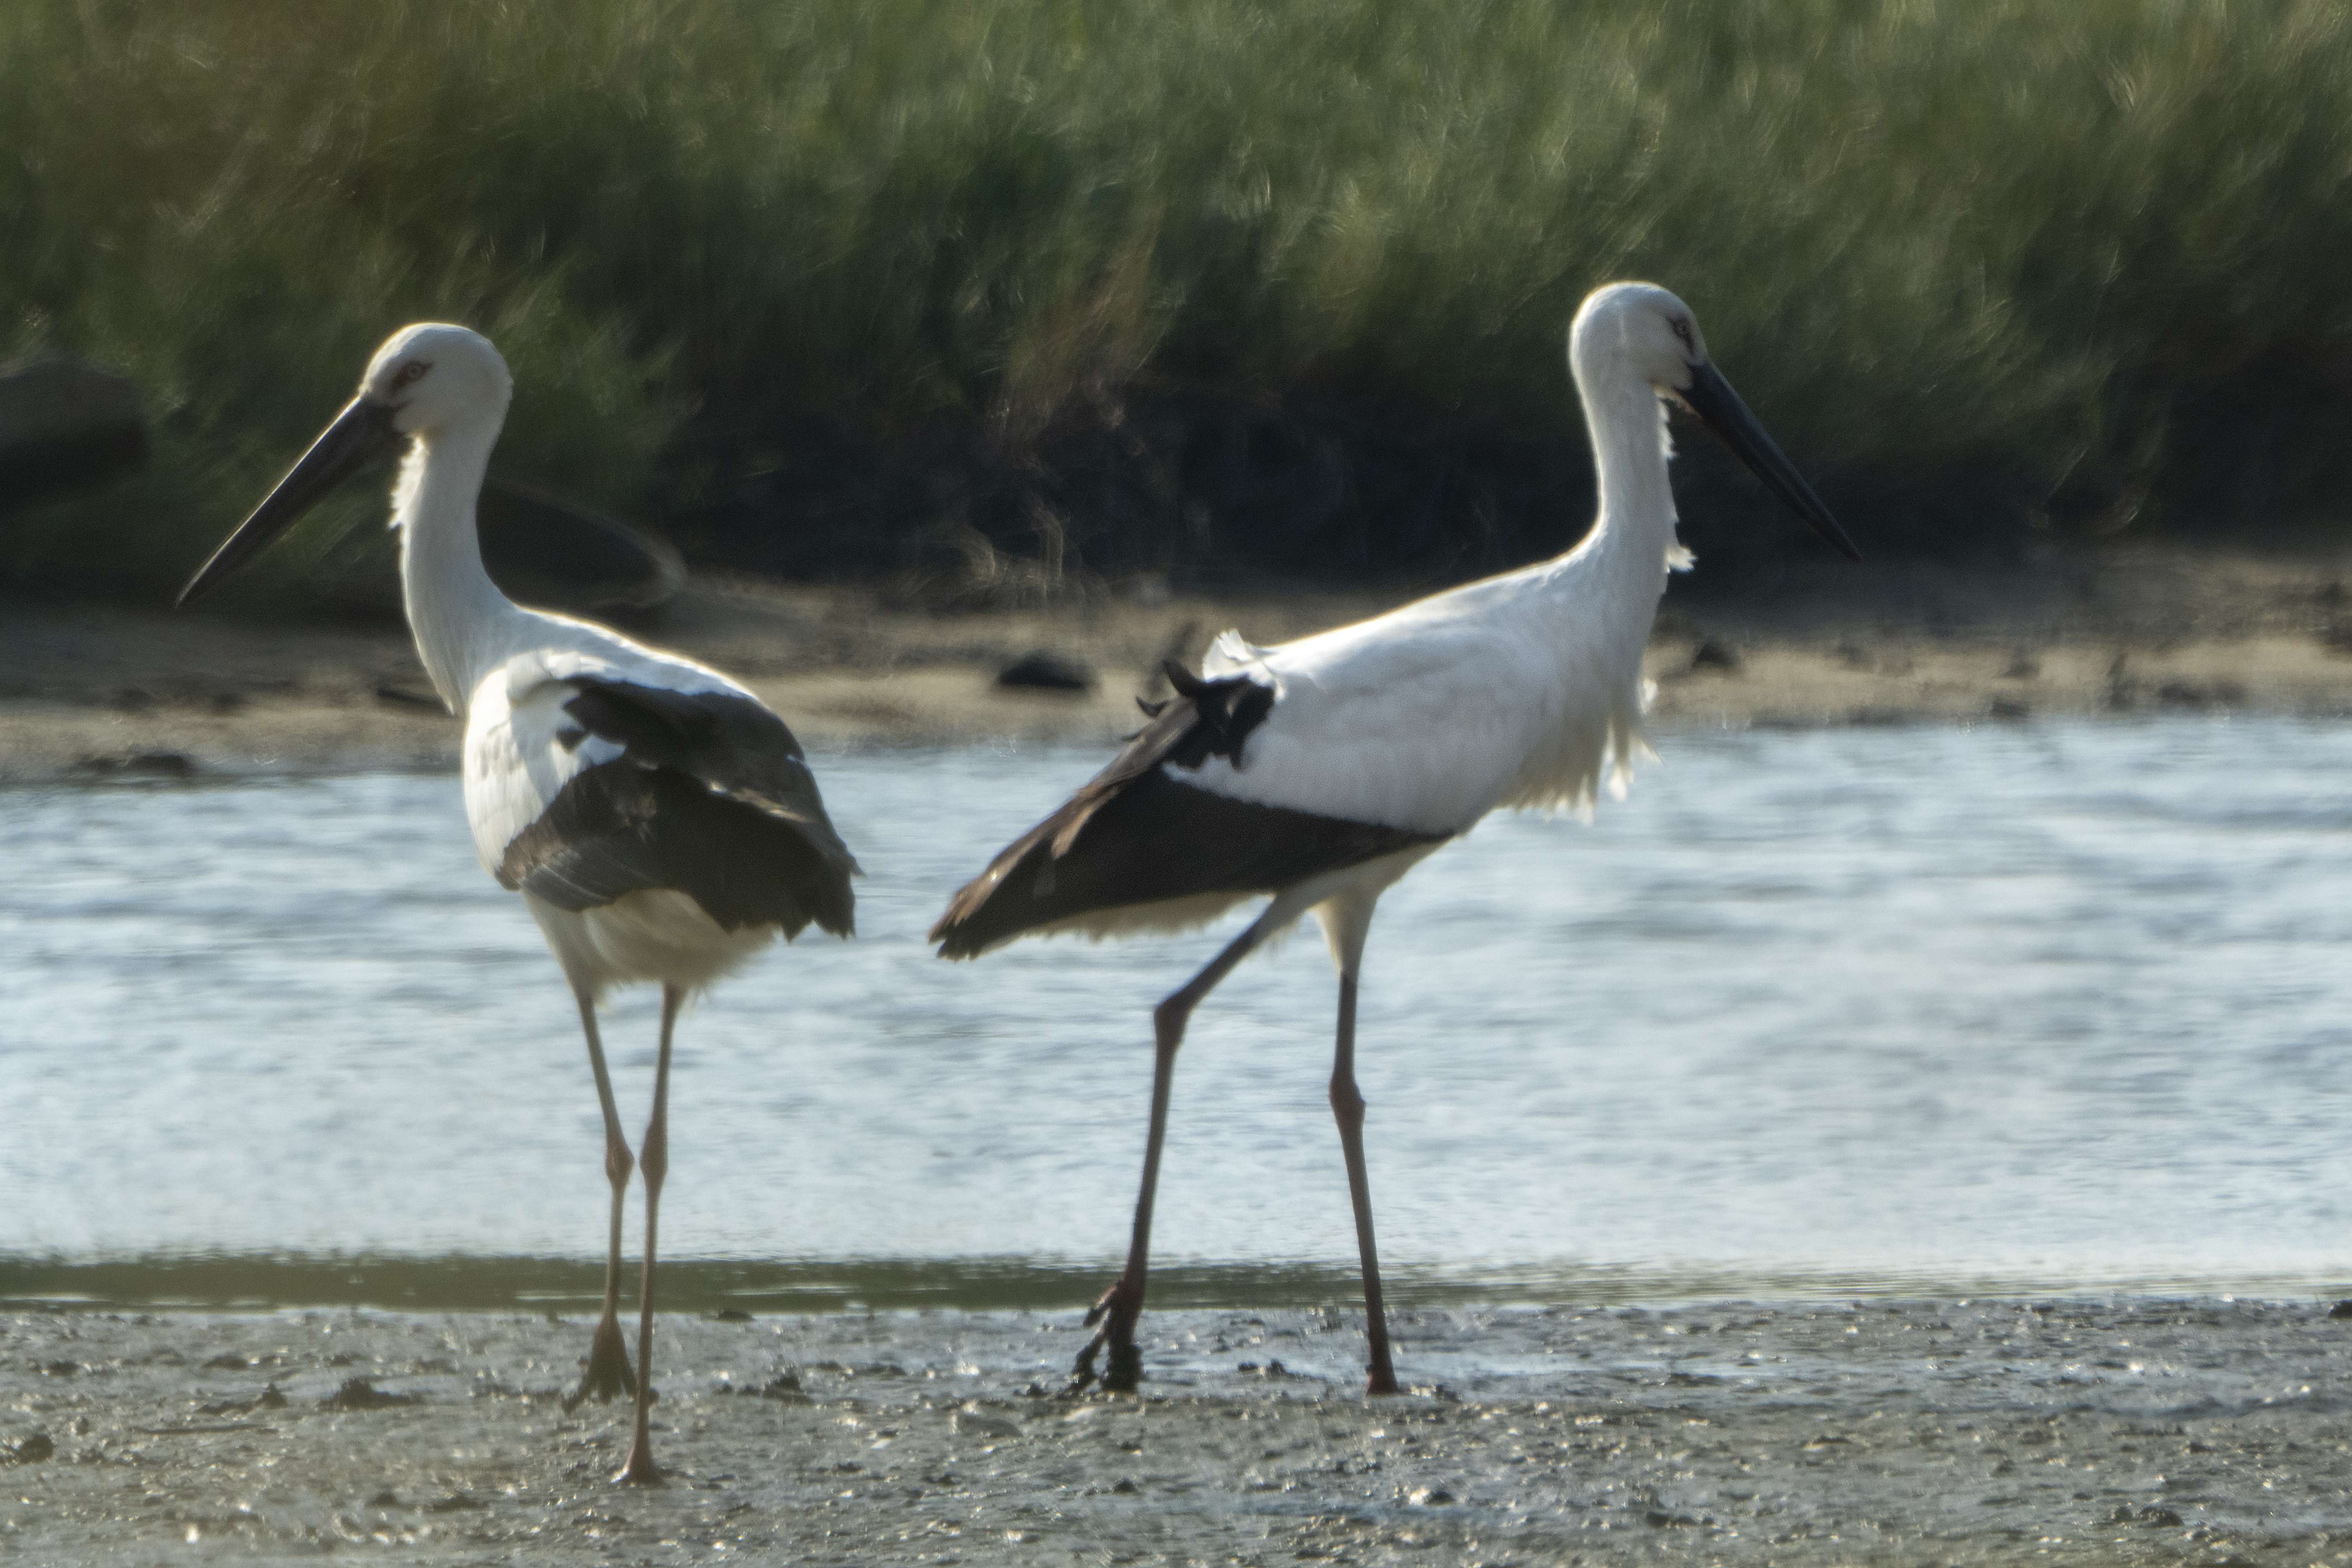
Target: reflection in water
x,y
2052,1006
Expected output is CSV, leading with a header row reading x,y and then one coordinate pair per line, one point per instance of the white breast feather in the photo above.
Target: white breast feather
x,y
515,763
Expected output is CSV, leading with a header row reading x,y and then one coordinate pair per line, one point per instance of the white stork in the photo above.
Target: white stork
x,y
660,822
1321,771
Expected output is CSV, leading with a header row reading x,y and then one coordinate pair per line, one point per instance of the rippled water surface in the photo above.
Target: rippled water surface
x,y
2047,1006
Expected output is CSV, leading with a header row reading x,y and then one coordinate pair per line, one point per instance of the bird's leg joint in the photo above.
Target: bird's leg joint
x,y
1347,1102
1168,1021
1167,1026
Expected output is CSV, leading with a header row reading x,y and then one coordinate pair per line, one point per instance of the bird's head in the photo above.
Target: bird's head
x,y
1639,331
433,377
427,381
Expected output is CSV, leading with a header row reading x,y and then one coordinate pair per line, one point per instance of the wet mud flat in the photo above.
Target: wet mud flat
x,y
2134,1430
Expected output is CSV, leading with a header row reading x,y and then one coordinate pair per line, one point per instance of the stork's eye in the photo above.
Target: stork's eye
x,y
407,375
1681,330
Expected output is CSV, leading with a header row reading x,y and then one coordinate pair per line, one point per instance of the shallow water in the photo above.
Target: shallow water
x,y
2028,1007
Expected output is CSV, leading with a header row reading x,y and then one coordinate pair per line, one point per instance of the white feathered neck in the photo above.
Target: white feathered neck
x,y
464,626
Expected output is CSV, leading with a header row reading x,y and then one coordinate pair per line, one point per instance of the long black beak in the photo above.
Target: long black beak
x,y
361,432
1711,398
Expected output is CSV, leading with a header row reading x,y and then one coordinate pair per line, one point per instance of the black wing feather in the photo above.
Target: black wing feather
x,y
1133,835
710,797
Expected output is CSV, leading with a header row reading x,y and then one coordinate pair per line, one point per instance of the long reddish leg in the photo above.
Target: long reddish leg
x,y
653,1161
608,1371
1347,1109
1114,1316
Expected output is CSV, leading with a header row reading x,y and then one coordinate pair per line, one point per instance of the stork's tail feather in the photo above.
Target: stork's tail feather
x,y
1155,847
960,937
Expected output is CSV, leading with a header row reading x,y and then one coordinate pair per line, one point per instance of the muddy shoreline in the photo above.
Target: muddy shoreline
x,y
2114,1430
97,692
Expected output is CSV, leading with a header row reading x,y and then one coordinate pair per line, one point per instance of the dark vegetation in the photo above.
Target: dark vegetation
x,y
980,295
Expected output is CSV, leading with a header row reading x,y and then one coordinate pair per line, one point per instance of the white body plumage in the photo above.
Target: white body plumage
x,y
517,761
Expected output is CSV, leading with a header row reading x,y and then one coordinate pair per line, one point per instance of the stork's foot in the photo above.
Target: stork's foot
x,y
609,1375
1113,1320
1381,1381
641,1471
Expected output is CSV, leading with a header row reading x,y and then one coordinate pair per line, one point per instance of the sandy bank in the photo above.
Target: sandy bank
x,y
2134,1431
90,690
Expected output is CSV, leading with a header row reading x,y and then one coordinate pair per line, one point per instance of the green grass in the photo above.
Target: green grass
x,y
2094,250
